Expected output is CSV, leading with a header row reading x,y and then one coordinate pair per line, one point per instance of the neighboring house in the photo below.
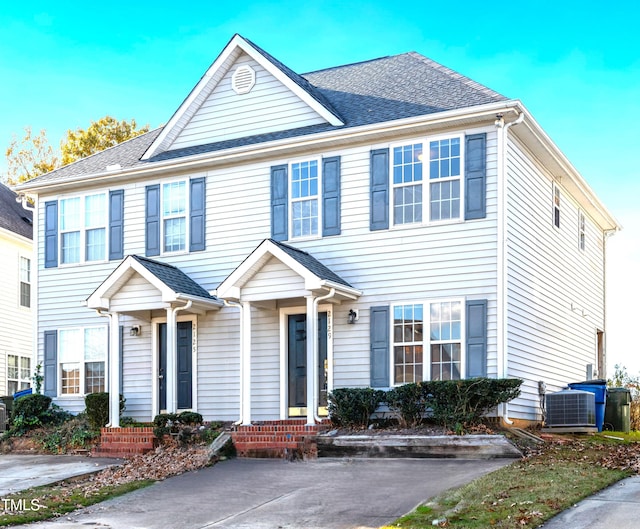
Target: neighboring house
x,y
17,300
283,235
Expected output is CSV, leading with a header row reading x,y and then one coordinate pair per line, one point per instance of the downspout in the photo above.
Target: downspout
x,y
316,303
502,357
242,360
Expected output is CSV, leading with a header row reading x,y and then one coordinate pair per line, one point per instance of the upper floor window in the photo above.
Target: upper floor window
x,y
83,228
18,373
444,175
305,211
25,282
81,355
581,231
556,206
174,216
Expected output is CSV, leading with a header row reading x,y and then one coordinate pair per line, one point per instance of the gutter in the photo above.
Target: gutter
x,y
316,303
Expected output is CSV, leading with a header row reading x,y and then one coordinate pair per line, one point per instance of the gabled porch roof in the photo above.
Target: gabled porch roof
x,y
172,283
316,276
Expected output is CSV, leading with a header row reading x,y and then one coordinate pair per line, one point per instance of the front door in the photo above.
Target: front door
x,y
297,363
184,365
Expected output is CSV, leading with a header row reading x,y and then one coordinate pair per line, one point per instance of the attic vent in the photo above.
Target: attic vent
x,y
243,79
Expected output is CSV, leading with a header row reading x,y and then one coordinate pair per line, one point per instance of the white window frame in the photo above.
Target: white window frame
x,y
582,231
292,200
82,229
427,341
186,215
427,181
556,206
24,280
82,361
20,379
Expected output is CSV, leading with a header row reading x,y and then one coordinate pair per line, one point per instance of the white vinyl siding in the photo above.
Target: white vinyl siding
x,y
269,107
555,291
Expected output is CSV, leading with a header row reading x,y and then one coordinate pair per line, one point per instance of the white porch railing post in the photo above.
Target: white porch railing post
x,y
114,370
245,362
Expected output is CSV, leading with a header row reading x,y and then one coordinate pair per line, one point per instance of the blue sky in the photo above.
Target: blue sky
x,y
575,65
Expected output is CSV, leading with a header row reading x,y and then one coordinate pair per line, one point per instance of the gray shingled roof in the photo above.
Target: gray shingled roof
x,y
375,91
174,278
311,264
13,216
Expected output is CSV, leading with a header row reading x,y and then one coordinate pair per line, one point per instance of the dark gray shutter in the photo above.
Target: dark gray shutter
x,y
152,220
116,224
197,214
51,234
475,177
379,169
331,196
279,203
380,354
50,363
477,338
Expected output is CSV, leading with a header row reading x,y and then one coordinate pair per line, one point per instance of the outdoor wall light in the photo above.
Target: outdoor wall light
x,y
352,317
135,330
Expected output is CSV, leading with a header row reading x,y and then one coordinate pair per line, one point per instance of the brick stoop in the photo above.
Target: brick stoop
x,y
289,439
125,442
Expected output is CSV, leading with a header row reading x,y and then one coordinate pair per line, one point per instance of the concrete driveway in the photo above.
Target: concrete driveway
x,y
261,494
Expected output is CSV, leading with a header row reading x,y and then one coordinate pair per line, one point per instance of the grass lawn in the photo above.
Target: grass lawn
x,y
534,489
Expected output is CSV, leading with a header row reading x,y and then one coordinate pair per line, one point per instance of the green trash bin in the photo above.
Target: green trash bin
x,y
617,413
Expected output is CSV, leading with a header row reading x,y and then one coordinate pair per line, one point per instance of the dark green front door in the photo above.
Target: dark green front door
x,y
184,366
297,362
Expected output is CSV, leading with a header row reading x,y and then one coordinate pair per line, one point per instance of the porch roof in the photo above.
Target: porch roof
x,y
316,276
173,284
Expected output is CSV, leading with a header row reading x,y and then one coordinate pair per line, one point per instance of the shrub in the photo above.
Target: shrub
x,y
29,412
184,425
353,406
75,433
408,402
456,403
97,405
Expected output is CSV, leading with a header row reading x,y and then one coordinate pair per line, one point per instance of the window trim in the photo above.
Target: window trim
x,y
83,229
556,206
427,181
291,200
186,216
82,361
28,282
426,343
582,231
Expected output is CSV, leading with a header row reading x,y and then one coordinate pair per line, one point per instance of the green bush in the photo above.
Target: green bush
x,y
97,405
184,425
353,406
75,433
29,412
457,403
408,402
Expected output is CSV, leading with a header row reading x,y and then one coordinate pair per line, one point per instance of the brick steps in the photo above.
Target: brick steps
x,y
125,442
289,439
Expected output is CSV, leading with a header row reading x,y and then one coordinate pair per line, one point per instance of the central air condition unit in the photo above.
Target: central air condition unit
x,y
571,408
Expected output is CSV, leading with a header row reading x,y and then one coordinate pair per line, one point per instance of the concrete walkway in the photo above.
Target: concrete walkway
x,y
19,472
261,494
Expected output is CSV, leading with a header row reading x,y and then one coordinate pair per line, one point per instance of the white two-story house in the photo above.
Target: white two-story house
x,y
16,300
283,235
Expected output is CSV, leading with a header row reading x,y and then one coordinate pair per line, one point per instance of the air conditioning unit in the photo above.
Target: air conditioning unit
x,y
3,417
571,408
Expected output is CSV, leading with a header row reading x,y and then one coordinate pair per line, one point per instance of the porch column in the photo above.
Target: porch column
x,y
171,379
114,370
312,340
245,363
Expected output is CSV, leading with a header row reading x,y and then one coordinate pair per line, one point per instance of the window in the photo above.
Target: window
x,y
82,355
18,373
444,342
83,228
444,189
556,206
304,198
581,231
25,282
174,216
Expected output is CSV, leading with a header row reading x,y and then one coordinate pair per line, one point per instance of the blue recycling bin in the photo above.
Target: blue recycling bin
x,y
599,389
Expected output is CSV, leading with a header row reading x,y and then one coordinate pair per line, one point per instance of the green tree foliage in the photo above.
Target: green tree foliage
x,y
622,379
33,156
100,135
29,157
